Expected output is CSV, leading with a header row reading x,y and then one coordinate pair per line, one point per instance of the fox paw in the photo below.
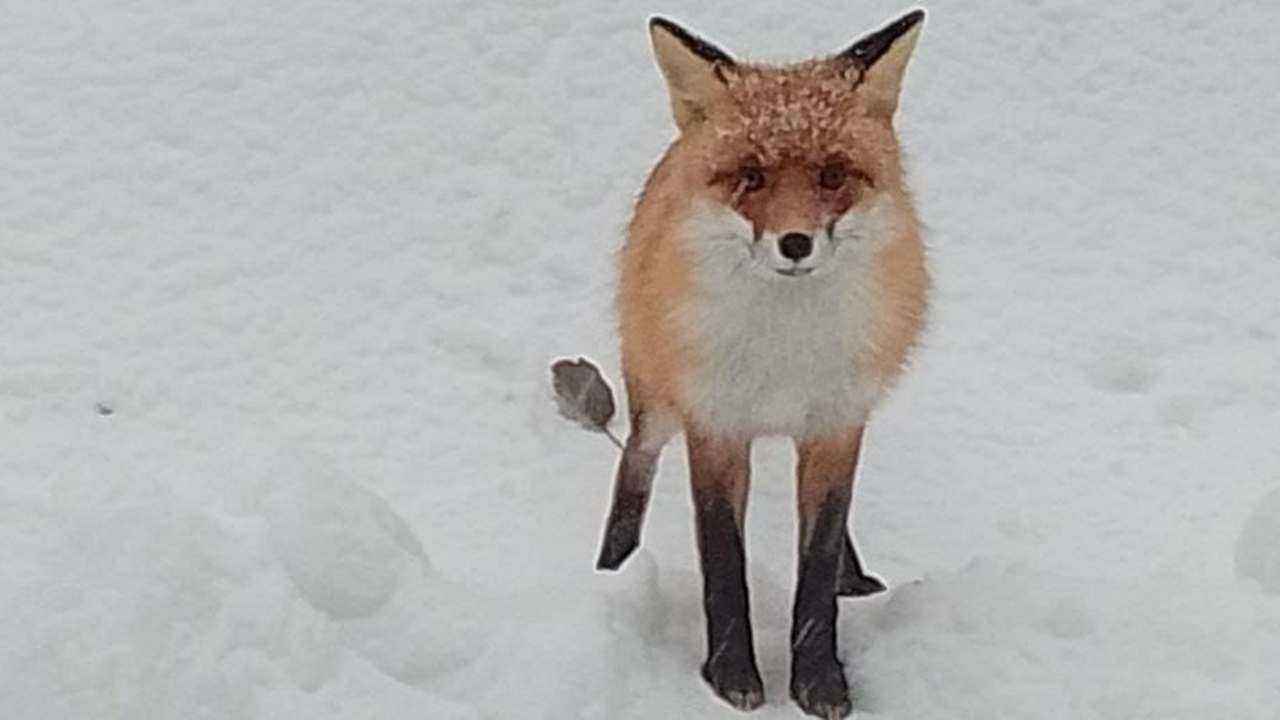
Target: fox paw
x,y
859,585
821,691
620,541
736,681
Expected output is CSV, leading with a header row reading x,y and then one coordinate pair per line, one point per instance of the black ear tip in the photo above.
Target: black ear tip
x,y
657,22
869,49
899,27
660,23
697,45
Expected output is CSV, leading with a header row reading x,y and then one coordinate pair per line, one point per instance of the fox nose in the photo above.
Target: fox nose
x,y
795,246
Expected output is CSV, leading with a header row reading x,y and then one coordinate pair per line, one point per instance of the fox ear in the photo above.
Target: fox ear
x,y
882,56
694,68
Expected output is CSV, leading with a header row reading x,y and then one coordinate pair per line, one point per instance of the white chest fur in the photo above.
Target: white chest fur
x,y
774,354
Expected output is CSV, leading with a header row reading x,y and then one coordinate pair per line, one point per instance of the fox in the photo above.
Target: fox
x,y
772,283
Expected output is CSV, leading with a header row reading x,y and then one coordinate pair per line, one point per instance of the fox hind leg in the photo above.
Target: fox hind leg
x,y
854,581
632,486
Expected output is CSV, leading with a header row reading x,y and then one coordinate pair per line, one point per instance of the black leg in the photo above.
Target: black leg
x,y
631,489
825,476
719,473
854,581
730,668
817,677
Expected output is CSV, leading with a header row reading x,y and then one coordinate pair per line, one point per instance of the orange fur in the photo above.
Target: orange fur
x,y
825,466
720,467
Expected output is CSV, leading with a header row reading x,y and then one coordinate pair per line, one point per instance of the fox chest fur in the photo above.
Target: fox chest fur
x,y
713,335
774,355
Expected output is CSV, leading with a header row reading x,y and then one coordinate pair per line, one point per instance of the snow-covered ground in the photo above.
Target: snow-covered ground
x,y
280,282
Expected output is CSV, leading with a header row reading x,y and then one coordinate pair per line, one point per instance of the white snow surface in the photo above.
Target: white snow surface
x,y
280,283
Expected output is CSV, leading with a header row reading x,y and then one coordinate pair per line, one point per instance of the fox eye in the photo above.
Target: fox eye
x,y
833,176
750,178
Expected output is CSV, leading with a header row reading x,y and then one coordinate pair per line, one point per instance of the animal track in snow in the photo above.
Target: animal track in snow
x,y
1121,374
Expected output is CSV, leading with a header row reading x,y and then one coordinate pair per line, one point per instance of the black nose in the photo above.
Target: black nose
x,y
795,246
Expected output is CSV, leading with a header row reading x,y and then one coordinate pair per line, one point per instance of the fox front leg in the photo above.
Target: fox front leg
x,y
720,472
825,471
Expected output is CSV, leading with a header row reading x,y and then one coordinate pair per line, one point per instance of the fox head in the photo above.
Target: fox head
x,y
796,164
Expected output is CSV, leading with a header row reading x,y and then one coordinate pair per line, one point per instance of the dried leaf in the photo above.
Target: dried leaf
x,y
582,395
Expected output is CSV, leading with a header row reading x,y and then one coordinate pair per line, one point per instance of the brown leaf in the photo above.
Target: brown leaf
x,y
582,395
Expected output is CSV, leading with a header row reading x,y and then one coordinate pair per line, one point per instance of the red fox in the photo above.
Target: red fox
x,y
773,283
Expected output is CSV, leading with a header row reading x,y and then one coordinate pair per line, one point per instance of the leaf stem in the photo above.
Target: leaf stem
x,y
611,436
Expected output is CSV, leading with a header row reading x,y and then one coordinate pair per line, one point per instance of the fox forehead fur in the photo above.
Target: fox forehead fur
x,y
805,114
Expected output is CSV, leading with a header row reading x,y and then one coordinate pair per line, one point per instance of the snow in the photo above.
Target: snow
x,y
1258,549
280,283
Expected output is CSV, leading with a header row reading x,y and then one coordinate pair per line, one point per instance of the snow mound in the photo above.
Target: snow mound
x,y
999,640
1258,549
230,577
215,578
343,547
